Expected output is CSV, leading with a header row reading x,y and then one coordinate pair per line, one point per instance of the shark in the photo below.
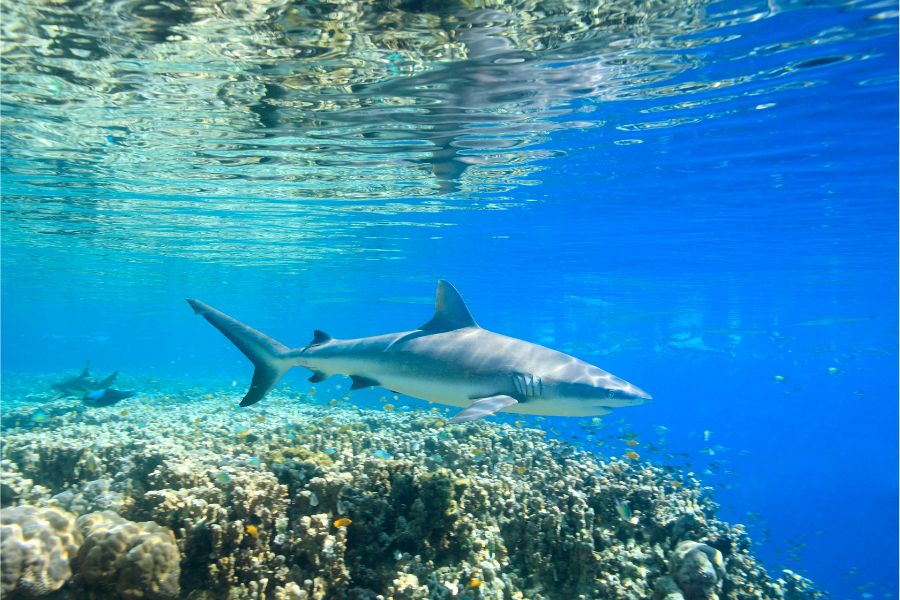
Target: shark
x,y
105,397
449,360
82,384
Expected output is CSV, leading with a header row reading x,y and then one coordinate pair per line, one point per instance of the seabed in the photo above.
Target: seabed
x,y
178,493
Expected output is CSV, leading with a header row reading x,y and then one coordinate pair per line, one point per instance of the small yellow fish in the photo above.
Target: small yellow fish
x,y
197,420
259,419
342,522
474,582
209,396
388,407
676,484
333,402
439,423
252,531
123,412
633,442
521,470
632,455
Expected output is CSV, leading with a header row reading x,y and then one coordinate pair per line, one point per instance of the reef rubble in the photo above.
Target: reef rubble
x,y
182,495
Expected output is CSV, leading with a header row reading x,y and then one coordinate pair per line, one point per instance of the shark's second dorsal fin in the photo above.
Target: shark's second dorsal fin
x,y
450,311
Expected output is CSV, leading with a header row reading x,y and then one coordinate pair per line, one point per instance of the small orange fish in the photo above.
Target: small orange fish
x,y
633,443
252,531
388,407
342,522
474,582
676,484
632,455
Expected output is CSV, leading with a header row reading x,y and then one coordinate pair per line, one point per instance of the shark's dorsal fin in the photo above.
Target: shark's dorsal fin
x,y
450,311
319,338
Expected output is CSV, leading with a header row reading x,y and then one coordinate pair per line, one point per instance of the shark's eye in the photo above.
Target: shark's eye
x,y
611,393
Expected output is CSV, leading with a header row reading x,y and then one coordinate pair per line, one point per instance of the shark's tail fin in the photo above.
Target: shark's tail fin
x,y
108,381
268,356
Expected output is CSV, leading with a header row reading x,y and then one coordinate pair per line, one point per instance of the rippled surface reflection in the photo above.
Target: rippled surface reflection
x,y
116,111
417,98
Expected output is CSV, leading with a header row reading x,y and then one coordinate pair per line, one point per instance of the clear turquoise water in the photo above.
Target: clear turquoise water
x,y
700,198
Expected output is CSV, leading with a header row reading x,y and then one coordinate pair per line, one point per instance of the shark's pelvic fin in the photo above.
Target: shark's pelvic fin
x,y
360,382
483,407
450,310
318,376
267,355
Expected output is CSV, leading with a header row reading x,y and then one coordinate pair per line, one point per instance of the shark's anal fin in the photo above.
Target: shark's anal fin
x,y
318,376
482,407
360,382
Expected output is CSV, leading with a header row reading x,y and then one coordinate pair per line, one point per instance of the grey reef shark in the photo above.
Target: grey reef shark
x,y
82,384
449,360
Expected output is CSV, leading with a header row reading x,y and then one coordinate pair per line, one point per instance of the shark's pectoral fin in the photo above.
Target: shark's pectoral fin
x,y
318,376
360,382
483,407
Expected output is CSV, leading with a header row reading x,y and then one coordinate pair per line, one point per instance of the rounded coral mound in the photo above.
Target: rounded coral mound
x,y
128,560
36,548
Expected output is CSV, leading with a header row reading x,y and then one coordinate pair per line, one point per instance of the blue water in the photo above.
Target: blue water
x,y
716,224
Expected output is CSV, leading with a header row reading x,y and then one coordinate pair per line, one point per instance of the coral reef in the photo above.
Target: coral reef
x,y
294,500
698,570
36,548
127,560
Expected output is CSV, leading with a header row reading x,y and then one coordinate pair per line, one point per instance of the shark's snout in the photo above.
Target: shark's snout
x,y
639,394
626,394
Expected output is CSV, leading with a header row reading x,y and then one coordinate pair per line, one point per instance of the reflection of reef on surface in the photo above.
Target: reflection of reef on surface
x,y
180,495
197,98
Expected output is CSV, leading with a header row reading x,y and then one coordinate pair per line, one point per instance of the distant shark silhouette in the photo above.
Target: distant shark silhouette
x,y
448,360
81,384
105,397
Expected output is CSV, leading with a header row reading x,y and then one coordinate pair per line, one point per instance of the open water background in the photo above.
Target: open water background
x,y
698,197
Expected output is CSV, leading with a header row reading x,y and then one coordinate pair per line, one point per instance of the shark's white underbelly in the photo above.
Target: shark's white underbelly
x,y
432,391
